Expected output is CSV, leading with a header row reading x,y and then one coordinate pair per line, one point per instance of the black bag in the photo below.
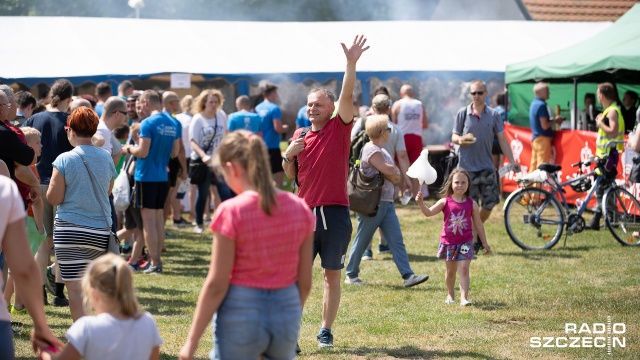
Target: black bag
x,y
198,171
357,143
364,192
449,163
634,176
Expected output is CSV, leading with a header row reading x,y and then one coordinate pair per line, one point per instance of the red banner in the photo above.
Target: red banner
x,y
568,147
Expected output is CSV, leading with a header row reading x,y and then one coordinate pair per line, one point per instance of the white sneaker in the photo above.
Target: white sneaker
x,y
198,229
465,303
414,280
354,281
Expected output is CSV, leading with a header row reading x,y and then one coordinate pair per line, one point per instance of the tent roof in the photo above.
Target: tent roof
x,y
611,55
90,48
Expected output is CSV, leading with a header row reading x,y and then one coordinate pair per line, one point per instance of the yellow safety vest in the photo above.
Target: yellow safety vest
x,y
603,138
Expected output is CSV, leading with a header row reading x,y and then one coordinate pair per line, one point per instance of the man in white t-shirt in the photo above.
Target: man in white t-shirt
x,y
410,116
114,115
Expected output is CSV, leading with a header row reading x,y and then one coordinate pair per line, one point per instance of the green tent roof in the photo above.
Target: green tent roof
x,y
611,55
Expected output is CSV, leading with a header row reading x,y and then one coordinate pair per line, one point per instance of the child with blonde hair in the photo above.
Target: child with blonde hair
x,y
119,329
260,272
461,218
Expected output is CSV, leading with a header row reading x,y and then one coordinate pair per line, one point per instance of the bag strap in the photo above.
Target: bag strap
x,y
303,133
95,191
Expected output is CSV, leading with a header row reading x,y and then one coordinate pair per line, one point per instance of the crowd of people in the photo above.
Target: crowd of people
x,y
59,163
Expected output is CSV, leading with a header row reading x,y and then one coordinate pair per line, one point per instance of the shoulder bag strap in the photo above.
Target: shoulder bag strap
x,y
95,191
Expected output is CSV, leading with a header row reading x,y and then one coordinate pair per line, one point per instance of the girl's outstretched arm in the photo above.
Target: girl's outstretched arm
x,y
305,264
213,291
477,223
433,210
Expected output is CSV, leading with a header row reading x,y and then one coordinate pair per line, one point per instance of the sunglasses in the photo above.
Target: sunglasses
x,y
474,93
121,112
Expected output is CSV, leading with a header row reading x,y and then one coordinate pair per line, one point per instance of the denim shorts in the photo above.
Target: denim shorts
x,y
251,323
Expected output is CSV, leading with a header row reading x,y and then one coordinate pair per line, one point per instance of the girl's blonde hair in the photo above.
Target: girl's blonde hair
x,y
247,150
447,188
111,276
201,100
29,131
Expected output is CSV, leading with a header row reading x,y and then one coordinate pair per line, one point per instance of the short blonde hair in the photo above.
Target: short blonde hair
x,y
30,132
539,86
376,125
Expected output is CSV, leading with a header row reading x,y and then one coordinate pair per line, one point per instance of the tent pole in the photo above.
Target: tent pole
x,y
574,120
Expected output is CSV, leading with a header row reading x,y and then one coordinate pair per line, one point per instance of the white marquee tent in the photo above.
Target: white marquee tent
x,y
81,49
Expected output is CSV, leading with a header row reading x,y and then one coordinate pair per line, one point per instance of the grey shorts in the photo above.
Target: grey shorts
x,y
332,236
484,188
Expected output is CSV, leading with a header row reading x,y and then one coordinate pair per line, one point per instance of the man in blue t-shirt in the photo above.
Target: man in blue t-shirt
x,y
159,141
302,120
272,127
541,124
243,118
103,92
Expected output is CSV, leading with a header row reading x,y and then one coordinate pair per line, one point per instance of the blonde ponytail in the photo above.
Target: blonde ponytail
x,y
111,276
249,151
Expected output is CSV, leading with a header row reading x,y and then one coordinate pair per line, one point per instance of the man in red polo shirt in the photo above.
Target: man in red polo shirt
x,y
320,160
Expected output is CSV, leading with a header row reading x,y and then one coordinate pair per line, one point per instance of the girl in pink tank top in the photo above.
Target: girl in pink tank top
x,y
461,218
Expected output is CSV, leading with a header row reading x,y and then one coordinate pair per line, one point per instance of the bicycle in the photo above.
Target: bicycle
x,y
535,218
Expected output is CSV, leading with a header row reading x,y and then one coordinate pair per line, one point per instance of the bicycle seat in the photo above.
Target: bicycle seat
x,y
550,168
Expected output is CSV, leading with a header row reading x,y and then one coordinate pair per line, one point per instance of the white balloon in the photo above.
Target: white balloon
x,y
422,170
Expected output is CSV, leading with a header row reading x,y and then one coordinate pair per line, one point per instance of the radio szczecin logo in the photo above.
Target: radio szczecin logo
x,y
607,335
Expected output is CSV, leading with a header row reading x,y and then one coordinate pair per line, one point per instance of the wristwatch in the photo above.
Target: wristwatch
x,y
286,159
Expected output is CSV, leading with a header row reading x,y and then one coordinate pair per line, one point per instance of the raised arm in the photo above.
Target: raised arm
x,y
352,53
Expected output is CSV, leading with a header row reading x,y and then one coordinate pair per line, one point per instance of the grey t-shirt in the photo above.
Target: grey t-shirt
x,y
368,170
396,138
106,337
477,156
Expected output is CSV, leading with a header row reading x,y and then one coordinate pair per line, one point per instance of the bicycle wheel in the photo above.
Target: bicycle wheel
x,y
622,216
534,219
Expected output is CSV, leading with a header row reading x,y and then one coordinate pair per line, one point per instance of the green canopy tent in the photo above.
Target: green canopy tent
x,y
612,55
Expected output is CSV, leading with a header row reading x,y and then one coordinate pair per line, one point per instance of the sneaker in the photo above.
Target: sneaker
x,y
60,301
449,301
15,311
367,255
465,303
414,280
154,270
354,281
198,229
51,281
125,248
383,249
325,339
180,222
140,265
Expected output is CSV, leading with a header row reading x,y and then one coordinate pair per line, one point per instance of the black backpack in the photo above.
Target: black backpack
x,y
357,143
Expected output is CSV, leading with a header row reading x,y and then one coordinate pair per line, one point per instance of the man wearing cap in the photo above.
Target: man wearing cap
x,y
319,160
272,127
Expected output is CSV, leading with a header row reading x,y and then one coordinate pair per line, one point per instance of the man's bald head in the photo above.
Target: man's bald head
x,y
78,103
171,102
243,102
112,105
406,90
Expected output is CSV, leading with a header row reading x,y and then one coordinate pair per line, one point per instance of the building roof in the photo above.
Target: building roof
x,y
577,10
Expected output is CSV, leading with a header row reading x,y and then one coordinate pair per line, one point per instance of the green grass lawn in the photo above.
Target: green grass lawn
x,y
517,295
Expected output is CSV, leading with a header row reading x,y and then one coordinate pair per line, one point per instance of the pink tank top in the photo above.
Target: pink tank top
x,y
458,224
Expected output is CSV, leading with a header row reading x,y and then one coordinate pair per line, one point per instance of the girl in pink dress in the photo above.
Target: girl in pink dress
x,y
461,218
